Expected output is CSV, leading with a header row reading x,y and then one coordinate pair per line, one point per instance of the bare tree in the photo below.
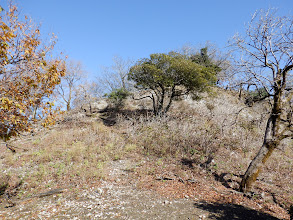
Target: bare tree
x,y
86,94
74,74
266,61
115,76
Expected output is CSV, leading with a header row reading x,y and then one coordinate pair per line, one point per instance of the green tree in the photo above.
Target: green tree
x,y
117,97
256,95
163,77
204,59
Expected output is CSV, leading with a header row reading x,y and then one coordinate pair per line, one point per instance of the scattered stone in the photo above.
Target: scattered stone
x,y
202,217
99,191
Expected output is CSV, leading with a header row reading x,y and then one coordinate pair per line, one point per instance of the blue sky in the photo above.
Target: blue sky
x,y
93,31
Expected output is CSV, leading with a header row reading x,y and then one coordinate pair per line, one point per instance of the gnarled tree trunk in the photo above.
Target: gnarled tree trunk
x,y
256,165
266,60
272,139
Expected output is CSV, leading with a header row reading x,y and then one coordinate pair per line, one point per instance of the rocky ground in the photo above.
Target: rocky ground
x,y
118,197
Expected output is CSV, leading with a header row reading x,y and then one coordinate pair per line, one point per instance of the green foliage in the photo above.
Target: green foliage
x,y
204,59
117,97
167,76
256,95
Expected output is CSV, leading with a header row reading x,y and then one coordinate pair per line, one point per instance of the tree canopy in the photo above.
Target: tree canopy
x,y
27,74
165,76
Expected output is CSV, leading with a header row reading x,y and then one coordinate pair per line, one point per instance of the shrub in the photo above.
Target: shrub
x,y
255,96
117,98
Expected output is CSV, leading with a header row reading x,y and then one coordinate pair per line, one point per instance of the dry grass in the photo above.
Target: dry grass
x,y
69,155
213,139
222,131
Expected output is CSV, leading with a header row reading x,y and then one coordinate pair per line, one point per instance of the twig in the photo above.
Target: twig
x,y
49,193
40,195
10,148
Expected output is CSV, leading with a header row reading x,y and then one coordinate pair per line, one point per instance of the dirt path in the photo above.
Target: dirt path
x,y
121,201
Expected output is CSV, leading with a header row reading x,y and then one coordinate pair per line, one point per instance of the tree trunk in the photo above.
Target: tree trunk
x,y
154,104
35,112
161,100
90,105
171,99
269,144
256,165
68,108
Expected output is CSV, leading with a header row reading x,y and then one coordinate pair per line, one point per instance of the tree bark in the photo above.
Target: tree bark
x,y
271,139
256,165
68,107
170,100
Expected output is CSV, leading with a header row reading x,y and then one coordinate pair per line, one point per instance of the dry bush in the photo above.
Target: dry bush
x,y
71,154
76,151
164,136
191,127
218,126
219,129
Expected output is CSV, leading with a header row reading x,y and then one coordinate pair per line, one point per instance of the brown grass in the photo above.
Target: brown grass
x,y
68,155
213,139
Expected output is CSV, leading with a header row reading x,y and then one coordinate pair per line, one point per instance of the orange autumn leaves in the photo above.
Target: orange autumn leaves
x,y
28,75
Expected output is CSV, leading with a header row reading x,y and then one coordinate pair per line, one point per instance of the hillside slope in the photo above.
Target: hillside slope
x,y
127,163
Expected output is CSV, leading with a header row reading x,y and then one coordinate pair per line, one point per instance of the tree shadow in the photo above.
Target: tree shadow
x,y
232,211
188,162
3,188
223,178
227,181
110,116
220,178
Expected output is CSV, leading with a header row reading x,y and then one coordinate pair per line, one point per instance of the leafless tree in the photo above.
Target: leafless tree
x,y
74,74
265,57
115,76
86,94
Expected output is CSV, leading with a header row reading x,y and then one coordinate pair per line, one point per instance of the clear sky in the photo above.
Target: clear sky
x,y
93,31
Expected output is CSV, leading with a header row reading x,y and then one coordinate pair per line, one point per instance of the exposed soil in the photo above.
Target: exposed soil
x,y
125,196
